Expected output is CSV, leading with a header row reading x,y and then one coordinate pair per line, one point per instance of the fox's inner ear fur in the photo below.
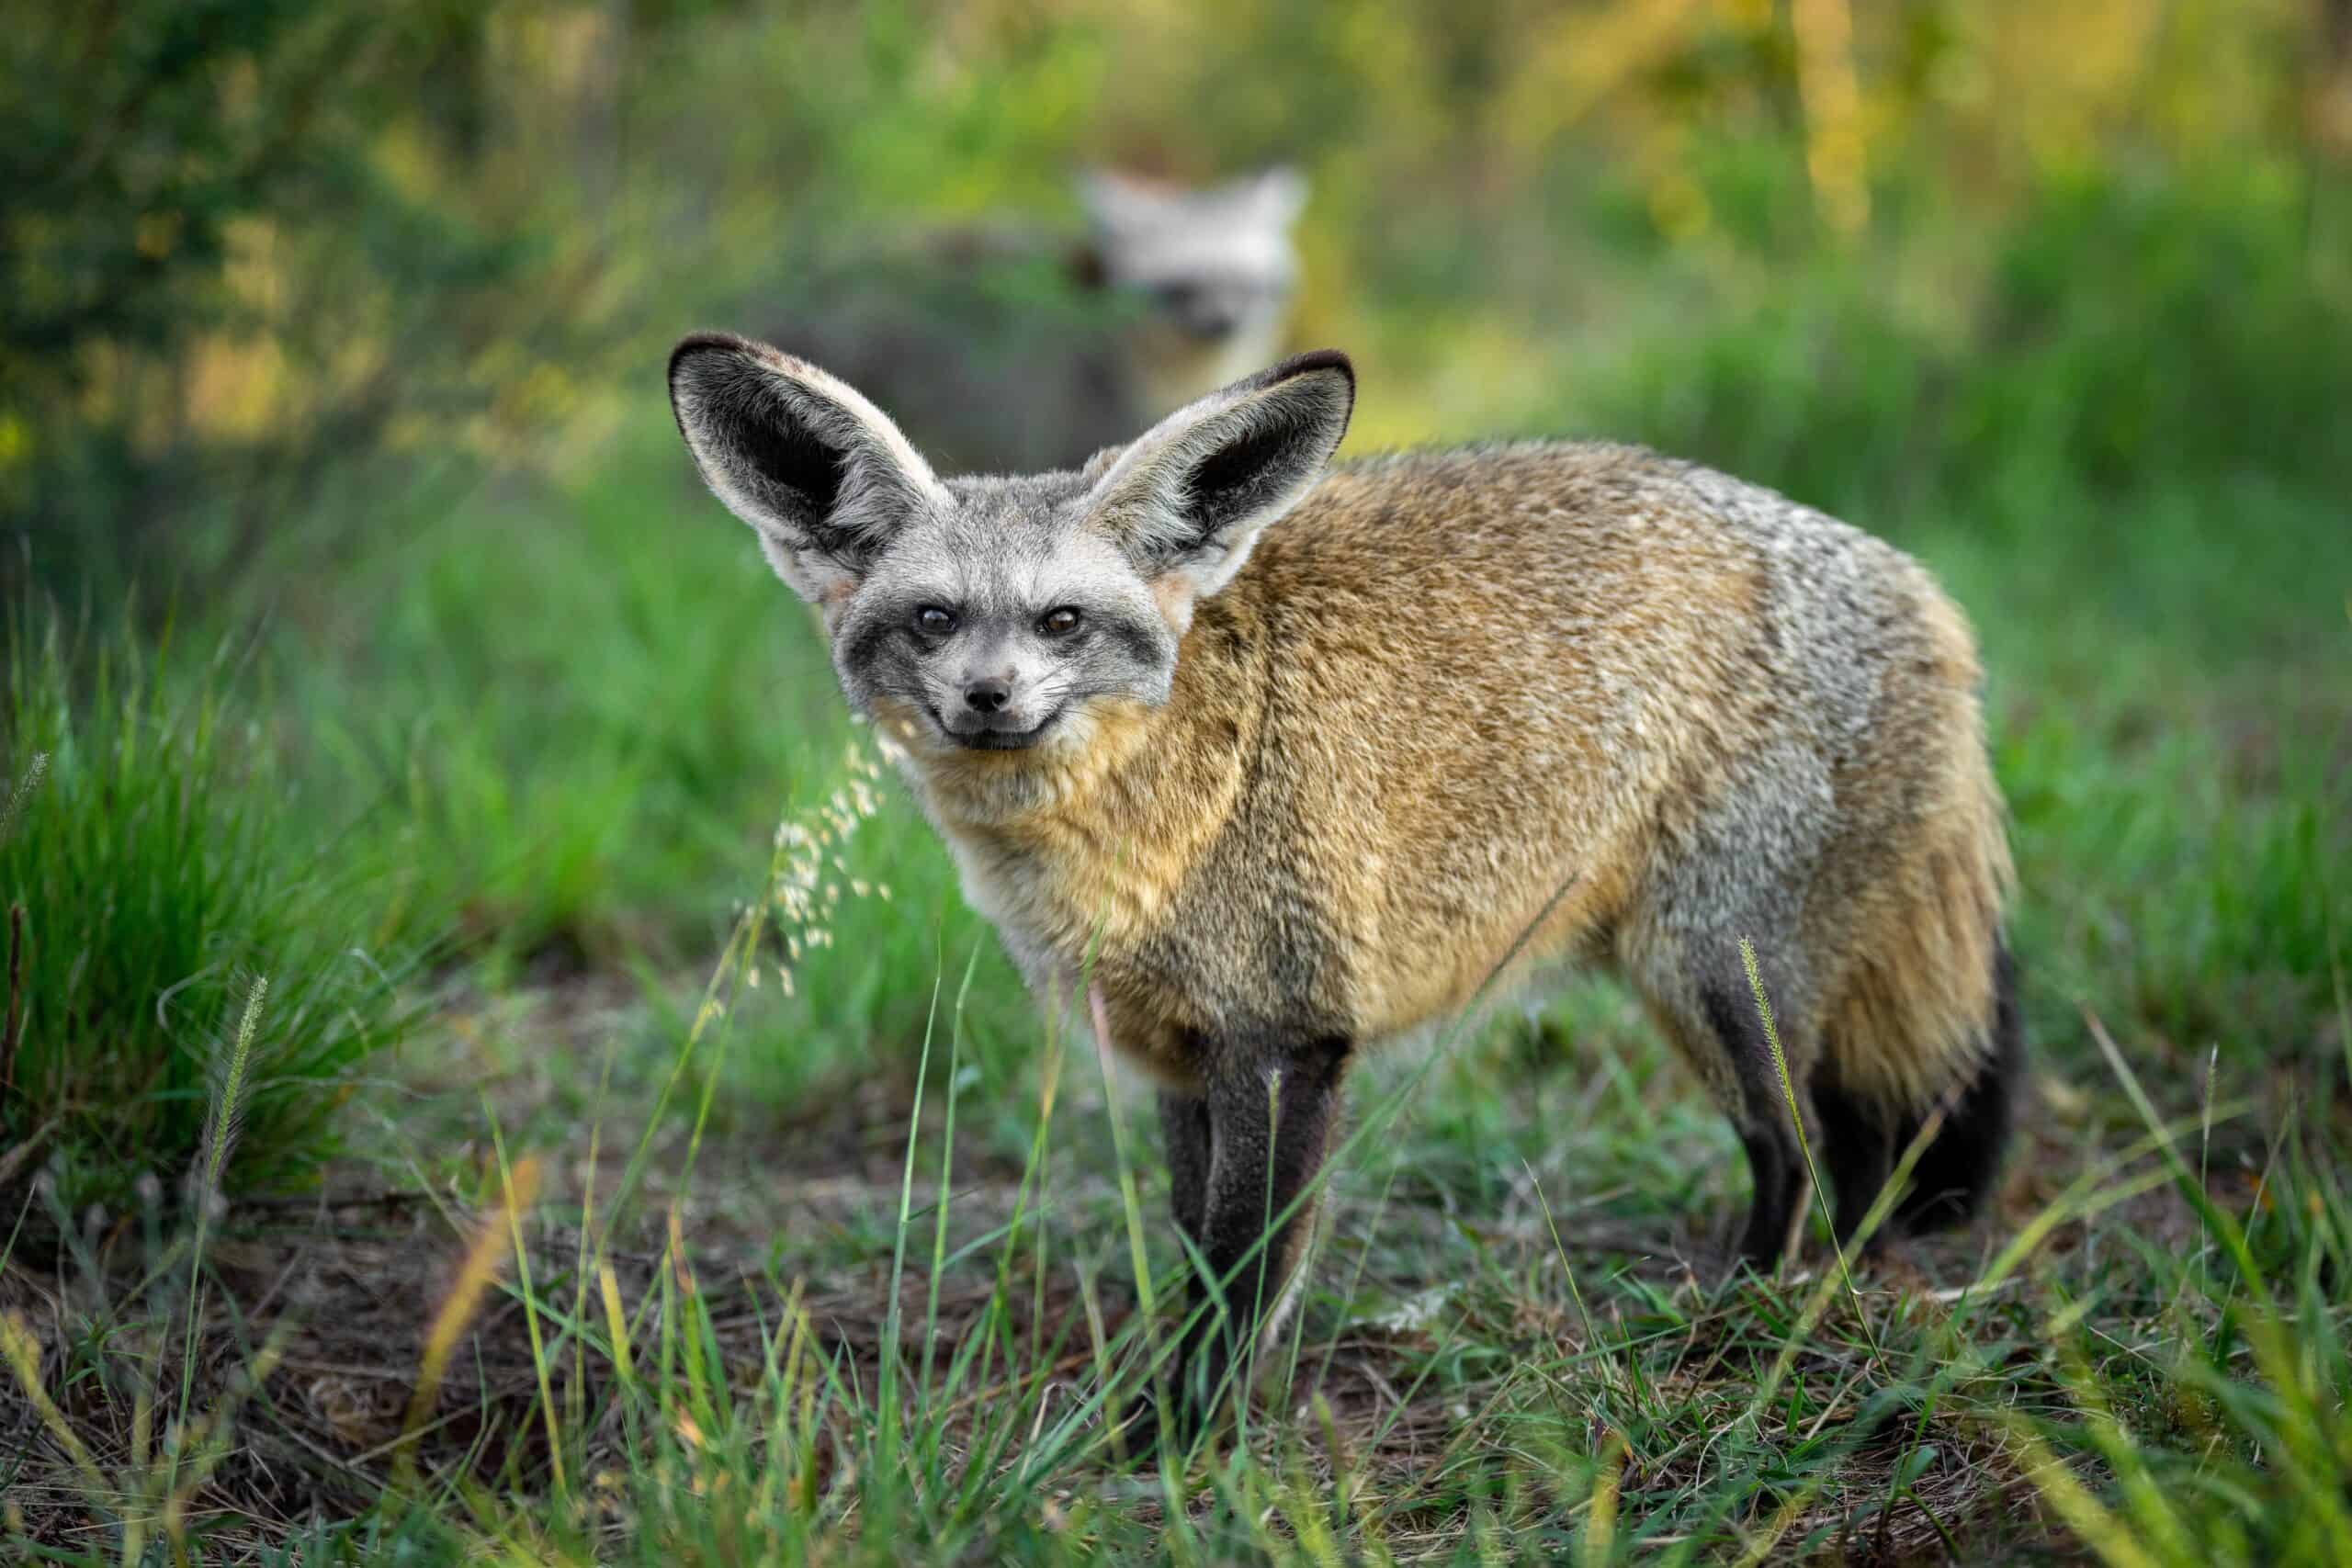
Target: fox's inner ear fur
x,y
1189,498
823,474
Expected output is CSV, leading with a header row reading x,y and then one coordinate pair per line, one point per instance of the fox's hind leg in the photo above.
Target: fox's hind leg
x,y
1715,1026
1735,862
1858,1145
1778,1174
1698,990
1760,1108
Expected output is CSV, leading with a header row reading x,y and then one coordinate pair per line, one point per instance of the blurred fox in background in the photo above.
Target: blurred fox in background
x,y
1173,292
1216,269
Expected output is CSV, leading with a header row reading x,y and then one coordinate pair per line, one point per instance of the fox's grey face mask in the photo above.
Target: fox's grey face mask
x,y
998,621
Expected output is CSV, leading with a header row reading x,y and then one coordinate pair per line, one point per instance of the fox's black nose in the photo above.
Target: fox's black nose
x,y
987,696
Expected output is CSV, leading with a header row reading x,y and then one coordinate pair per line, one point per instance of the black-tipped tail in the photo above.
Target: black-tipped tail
x,y
1960,1167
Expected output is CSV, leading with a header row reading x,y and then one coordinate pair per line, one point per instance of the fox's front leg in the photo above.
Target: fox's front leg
x,y
1184,1135
1242,1154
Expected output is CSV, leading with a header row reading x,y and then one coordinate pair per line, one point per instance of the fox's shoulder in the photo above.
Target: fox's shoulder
x,y
1593,485
1493,514
1502,499
1499,465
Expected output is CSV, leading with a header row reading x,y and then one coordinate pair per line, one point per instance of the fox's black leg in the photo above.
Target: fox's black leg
x,y
1184,1132
1184,1128
1766,1129
1779,1177
1269,1122
1857,1148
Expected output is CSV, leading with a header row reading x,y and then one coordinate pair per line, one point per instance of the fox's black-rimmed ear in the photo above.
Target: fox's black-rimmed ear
x,y
1278,192
1190,497
821,473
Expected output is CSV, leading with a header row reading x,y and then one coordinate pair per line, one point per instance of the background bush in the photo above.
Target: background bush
x,y
148,868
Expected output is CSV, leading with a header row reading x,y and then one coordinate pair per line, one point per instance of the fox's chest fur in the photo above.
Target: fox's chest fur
x,y
1125,861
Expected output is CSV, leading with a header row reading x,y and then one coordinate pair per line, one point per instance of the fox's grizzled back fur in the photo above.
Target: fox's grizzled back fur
x,y
1295,757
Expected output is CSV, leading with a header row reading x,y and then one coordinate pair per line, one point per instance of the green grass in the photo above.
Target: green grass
x,y
2135,1364
150,881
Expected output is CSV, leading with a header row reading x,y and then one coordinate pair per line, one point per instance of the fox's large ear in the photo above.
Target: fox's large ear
x,y
823,474
1115,201
1189,498
1279,194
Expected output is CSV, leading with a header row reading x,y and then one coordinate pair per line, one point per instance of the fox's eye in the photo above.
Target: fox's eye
x,y
1059,623
933,621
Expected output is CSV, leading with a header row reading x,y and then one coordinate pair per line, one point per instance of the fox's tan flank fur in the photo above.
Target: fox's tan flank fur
x,y
1337,674
1434,690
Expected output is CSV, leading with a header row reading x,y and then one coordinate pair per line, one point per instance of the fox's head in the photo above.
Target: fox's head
x,y
1001,615
1213,267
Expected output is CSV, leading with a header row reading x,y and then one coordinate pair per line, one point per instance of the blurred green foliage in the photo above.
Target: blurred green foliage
x,y
2127,334
203,215
244,242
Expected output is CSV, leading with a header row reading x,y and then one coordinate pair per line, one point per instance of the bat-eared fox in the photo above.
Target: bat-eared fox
x,y
1285,758
1170,292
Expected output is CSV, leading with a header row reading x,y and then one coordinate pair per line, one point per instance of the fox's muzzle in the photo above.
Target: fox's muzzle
x,y
989,720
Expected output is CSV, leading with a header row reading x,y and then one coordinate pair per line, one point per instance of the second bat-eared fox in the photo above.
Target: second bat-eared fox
x,y
1173,291
1279,760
